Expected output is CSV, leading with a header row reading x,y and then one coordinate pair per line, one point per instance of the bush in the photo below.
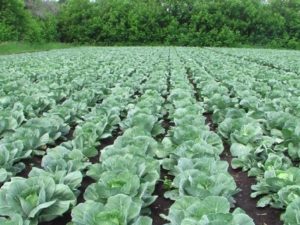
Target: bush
x,y
188,23
7,33
33,31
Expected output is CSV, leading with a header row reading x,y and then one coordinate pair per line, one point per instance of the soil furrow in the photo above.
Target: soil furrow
x,y
162,204
189,75
261,216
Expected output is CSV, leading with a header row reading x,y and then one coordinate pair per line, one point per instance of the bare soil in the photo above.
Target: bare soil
x,y
208,120
66,218
161,205
261,216
34,161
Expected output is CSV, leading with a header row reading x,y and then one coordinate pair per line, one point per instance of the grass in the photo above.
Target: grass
x,y
7,48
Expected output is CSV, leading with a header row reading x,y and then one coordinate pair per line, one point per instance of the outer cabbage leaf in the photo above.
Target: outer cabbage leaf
x,y
292,213
119,210
36,199
212,210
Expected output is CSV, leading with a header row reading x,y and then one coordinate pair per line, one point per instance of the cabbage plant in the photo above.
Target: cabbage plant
x,y
35,199
209,211
119,210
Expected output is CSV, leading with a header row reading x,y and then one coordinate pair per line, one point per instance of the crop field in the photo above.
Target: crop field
x,y
150,135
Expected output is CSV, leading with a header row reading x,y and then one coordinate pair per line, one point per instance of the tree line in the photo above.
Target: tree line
x,y
272,23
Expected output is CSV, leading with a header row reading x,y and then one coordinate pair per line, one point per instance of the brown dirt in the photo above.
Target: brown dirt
x,y
161,205
144,81
166,124
106,142
61,101
196,93
34,161
63,220
137,94
67,137
86,181
261,216
208,120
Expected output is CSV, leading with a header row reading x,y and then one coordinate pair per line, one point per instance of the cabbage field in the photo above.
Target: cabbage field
x,y
150,135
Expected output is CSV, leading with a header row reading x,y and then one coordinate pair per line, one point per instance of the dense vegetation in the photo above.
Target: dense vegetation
x,y
150,136
273,23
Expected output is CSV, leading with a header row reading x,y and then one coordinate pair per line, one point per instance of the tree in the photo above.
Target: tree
x,y
273,23
13,20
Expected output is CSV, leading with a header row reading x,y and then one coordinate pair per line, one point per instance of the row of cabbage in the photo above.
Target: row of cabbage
x,y
190,152
257,112
202,188
281,59
61,171
52,190
34,136
128,171
22,99
90,91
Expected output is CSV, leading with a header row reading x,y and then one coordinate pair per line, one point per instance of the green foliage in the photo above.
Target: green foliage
x,y
20,47
35,199
189,23
19,24
167,183
6,32
278,187
204,23
211,210
33,31
262,127
291,216
119,209
13,19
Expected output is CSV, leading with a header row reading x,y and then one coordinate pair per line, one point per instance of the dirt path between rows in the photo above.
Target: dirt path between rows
x,y
261,216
